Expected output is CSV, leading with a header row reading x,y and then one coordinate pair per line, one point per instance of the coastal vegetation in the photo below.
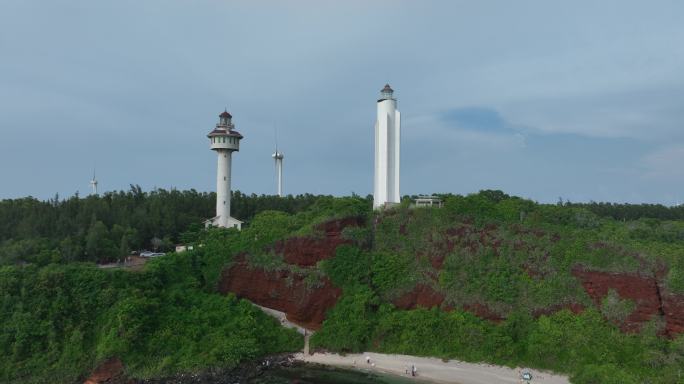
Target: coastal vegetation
x,y
503,268
516,259
107,228
59,321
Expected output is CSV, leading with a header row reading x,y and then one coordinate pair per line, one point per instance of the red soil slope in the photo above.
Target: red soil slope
x,y
307,251
421,296
281,290
651,299
110,371
287,291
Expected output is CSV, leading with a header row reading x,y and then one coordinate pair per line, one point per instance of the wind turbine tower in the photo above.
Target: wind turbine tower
x,y
279,156
224,140
387,148
93,183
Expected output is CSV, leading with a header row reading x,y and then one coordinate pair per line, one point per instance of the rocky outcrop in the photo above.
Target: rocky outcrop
x,y
304,302
424,296
572,307
673,309
421,296
643,291
282,290
647,292
483,312
650,298
334,228
110,371
307,251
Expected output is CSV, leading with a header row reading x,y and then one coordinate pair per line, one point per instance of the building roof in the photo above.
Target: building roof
x,y
224,132
429,198
225,114
387,88
218,132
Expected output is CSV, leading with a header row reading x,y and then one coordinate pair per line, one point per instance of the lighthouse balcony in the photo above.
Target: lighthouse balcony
x,y
225,142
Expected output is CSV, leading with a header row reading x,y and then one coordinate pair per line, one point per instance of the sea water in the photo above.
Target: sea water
x,y
317,374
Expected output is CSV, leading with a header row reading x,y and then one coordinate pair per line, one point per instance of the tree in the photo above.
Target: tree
x,y
156,243
99,247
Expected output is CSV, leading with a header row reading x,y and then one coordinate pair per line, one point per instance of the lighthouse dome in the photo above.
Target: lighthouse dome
x,y
386,93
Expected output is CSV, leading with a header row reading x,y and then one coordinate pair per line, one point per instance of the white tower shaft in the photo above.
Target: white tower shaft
x,y
93,183
387,151
279,168
223,187
224,140
278,157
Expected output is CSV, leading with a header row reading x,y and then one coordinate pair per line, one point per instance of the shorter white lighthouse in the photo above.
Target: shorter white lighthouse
x,y
224,140
278,157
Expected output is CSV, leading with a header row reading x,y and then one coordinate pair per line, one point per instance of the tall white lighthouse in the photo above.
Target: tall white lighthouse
x,y
224,140
387,146
279,156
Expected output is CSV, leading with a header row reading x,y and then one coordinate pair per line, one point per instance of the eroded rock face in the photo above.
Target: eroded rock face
x,y
673,309
647,292
307,304
422,296
307,251
650,298
483,312
304,303
642,290
110,371
282,290
575,308
334,228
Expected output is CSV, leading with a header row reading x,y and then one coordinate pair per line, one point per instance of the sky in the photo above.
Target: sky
x,y
579,100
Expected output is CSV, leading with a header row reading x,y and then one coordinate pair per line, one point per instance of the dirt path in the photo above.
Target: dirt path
x,y
283,320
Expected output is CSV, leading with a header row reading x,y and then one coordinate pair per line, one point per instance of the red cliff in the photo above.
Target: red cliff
x,y
304,301
281,290
647,292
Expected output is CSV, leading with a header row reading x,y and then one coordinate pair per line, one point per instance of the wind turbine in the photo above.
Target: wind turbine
x,y
278,157
93,183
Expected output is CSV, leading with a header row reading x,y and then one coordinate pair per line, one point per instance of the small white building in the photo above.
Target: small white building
x,y
225,140
429,201
183,248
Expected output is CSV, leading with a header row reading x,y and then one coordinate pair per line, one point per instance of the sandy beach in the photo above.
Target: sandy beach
x,y
431,369
428,368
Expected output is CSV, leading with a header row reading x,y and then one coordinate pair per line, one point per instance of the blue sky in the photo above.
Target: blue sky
x,y
582,100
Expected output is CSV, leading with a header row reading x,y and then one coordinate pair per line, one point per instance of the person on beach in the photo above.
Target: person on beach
x,y
367,359
413,370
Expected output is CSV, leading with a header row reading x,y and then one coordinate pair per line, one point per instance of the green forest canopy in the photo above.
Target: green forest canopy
x,y
59,317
